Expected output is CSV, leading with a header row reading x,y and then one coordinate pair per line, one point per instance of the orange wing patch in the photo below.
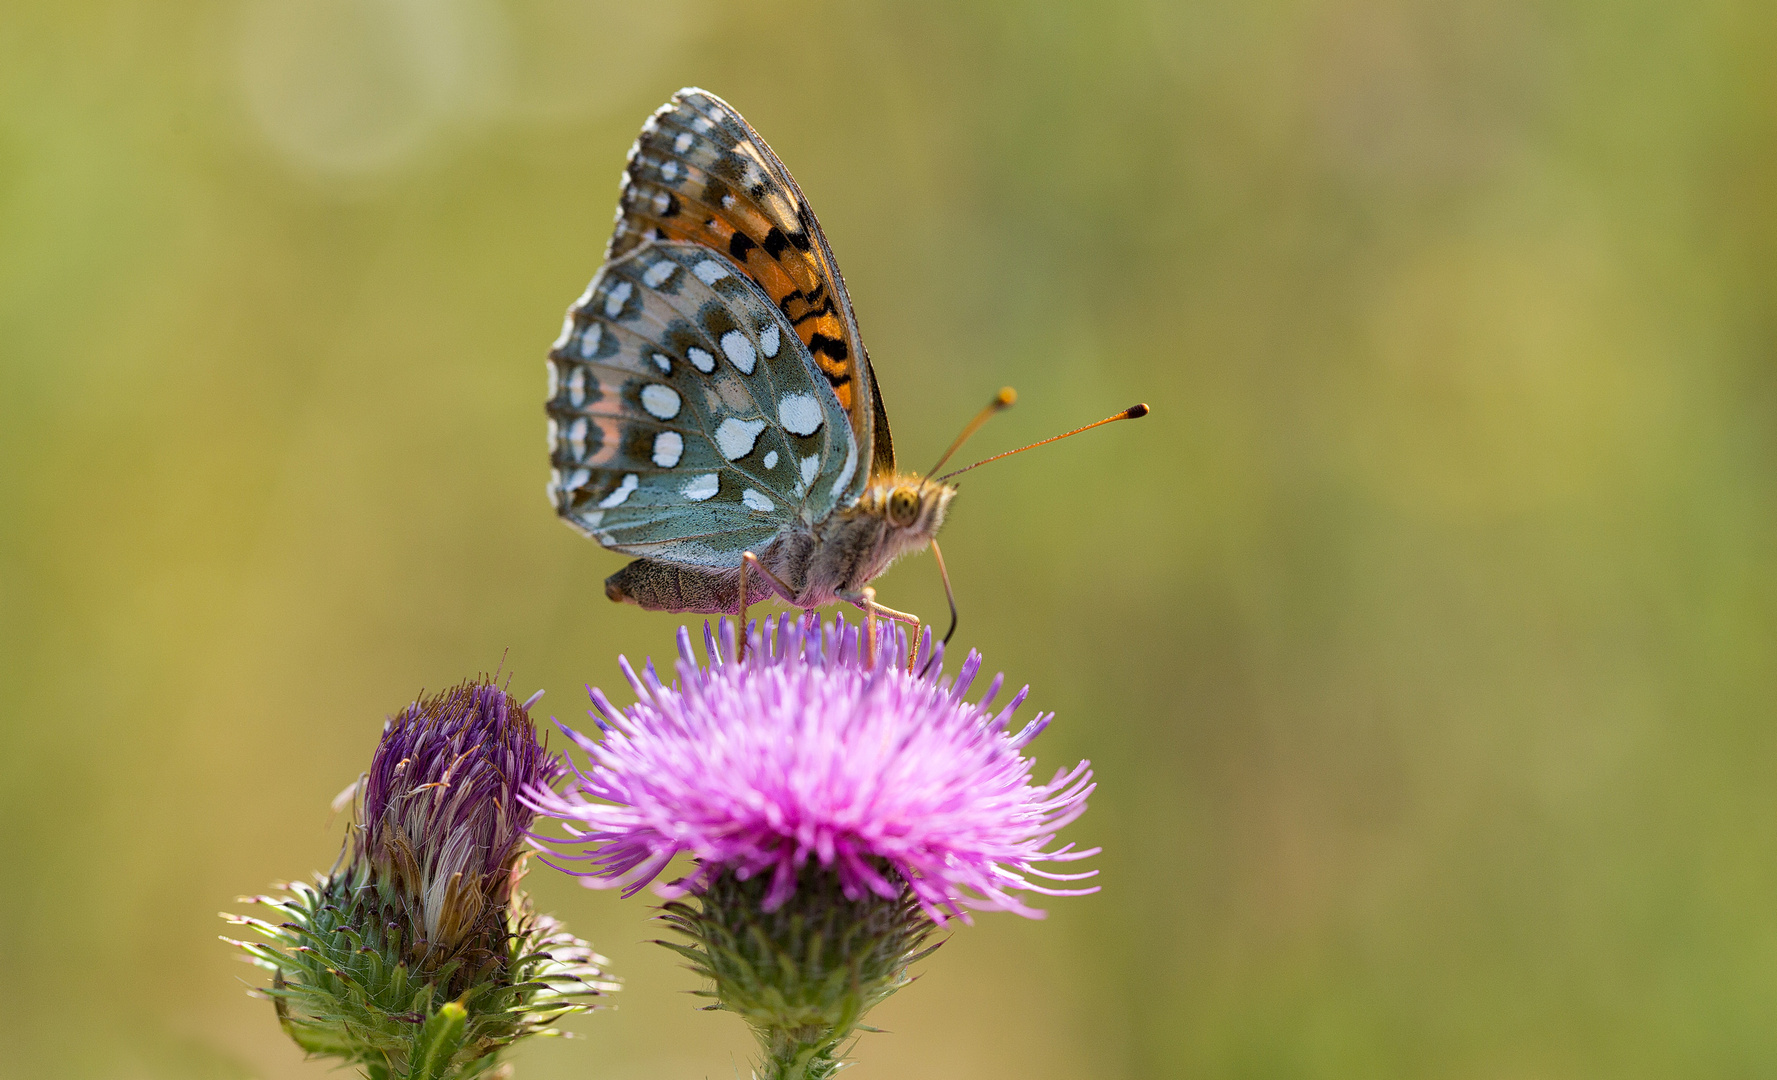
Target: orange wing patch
x,y
699,173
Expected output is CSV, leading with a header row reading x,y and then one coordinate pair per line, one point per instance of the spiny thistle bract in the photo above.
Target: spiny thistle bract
x,y
838,809
418,957
804,974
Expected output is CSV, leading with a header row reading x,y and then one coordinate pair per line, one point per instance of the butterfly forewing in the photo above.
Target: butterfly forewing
x,y
688,422
698,172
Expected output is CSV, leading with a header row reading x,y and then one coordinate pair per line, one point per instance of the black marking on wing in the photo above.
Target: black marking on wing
x,y
718,319
832,347
809,308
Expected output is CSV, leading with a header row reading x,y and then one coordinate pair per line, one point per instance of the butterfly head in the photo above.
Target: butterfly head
x,y
912,506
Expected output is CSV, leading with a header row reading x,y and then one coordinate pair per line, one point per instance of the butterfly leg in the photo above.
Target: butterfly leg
x,y
740,638
866,600
869,626
750,561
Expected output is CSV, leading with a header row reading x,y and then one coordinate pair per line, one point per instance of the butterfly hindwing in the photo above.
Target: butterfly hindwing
x,y
698,172
688,422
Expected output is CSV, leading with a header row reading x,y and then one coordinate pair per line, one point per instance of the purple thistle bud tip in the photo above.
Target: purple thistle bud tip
x,y
443,826
807,752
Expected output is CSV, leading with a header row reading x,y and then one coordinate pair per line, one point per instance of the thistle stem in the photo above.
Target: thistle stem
x,y
799,1054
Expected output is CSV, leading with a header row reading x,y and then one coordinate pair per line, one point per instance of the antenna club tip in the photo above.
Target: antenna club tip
x,y
1135,412
1006,398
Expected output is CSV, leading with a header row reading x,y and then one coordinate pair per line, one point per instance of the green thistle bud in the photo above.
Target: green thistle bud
x,y
804,974
418,957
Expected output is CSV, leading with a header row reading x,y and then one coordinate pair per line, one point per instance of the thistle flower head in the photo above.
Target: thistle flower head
x,y
418,956
806,753
838,809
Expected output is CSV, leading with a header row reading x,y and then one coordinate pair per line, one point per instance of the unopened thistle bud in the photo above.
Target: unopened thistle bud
x,y
418,957
839,810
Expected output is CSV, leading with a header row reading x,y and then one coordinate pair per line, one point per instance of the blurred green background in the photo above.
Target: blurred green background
x,y
1424,639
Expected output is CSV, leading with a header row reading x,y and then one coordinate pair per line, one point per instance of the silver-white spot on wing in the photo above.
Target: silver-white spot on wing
x,y
757,501
703,361
577,388
589,341
709,271
616,298
661,362
735,437
699,488
659,274
811,468
768,340
851,466
662,201
577,437
800,413
662,402
668,447
739,351
630,480
670,171
771,459
683,142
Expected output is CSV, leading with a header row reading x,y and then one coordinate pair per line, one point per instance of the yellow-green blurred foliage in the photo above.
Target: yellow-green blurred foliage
x,y
1423,638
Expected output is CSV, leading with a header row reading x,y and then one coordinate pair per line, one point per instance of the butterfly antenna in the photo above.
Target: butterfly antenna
x,y
1000,403
1134,412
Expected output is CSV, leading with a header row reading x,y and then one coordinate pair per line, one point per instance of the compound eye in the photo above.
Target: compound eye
x,y
903,507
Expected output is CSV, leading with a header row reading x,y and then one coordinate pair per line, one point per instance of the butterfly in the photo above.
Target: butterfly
x,y
712,409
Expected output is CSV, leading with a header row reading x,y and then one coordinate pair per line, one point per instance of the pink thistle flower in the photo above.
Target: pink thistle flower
x,y
806,752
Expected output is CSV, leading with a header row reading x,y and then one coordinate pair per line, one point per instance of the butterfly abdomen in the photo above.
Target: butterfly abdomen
x,y
663,586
